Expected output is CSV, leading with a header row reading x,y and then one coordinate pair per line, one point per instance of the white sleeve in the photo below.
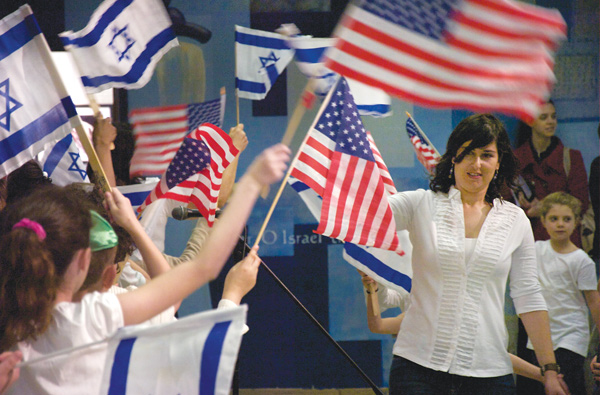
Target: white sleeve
x,y
525,289
389,298
403,206
586,273
103,312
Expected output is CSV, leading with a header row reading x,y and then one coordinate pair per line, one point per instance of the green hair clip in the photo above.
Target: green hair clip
x,y
102,235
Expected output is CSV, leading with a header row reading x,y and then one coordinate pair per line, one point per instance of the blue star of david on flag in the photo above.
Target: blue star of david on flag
x,y
268,60
121,42
11,105
75,157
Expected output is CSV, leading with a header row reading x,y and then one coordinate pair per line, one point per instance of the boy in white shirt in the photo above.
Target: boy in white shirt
x,y
568,279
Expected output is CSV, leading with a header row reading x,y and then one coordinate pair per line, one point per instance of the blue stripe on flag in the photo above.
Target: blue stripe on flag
x,y
311,55
367,109
272,73
299,186
211,355
250,86
96,33
140,64
18,36
37,130
120,367
58,151
378,267
137,198
260,41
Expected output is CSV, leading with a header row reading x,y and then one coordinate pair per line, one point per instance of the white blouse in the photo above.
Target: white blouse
x,y
455,320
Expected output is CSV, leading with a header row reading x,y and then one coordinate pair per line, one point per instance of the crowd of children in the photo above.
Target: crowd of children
x,y
47,241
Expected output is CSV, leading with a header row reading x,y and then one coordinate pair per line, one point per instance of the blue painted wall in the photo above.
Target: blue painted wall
x,y
283,349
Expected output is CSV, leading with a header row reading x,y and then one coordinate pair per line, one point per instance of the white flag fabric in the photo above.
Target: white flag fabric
x,y
195,355
384,266
63,163
260,58
121,44
35,108
369,100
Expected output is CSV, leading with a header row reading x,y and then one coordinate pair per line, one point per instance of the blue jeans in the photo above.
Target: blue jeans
x,y
409,378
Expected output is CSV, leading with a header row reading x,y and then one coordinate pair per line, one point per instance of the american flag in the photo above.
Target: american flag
x,y
426,153
338,163
194,175
159,132
482,55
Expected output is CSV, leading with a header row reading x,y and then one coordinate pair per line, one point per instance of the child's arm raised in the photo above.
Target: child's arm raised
x,y
121,211
181,281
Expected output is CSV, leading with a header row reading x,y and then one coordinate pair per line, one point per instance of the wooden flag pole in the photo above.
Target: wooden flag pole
x,y
287,137
422,133
93,157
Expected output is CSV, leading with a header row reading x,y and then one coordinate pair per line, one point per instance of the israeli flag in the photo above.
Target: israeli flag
x,y
137,193
63,162
260,58
384,266
121,44
35,109
194,355
369,100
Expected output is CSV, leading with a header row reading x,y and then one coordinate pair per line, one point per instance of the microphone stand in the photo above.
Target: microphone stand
x,y
367,379
235,381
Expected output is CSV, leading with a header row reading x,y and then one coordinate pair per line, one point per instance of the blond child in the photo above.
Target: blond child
x,y
568,279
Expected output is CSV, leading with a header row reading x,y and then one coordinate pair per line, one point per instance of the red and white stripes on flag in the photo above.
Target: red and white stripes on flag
x,y
337,162
426,153
482,55
159,131
201,188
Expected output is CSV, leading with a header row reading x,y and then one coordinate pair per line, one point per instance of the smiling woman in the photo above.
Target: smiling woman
x,y
467,242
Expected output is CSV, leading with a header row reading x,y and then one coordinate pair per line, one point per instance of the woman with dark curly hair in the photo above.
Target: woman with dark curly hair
x,y
467,243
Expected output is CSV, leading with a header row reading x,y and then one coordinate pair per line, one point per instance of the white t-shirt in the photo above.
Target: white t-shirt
x,y
563,277
455,320
96,317
166,316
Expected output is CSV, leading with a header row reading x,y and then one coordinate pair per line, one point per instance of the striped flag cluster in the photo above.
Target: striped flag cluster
x,y
194,175
482,55
337,162
426,153
308,54
159,132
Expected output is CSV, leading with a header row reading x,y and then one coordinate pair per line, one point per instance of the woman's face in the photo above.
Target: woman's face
x,y
475,172
544,125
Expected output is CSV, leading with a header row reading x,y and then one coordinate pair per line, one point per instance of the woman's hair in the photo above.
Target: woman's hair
x,y
23,181
481,130
524,130
32,269
563,199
